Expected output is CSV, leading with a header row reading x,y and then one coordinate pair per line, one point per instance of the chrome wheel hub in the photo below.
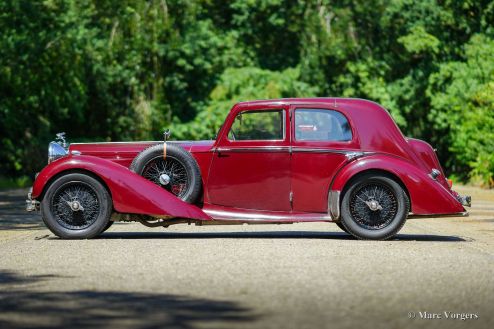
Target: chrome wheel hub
x,y
164,179
168,173
373,205
75,206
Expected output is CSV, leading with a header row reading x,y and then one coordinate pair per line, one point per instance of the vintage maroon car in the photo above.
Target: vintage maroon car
x,y
273,161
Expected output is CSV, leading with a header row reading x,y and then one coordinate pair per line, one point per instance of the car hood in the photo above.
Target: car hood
x,y
125,152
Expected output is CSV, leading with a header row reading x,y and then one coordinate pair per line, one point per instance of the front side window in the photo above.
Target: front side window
x,y
258,125
321,125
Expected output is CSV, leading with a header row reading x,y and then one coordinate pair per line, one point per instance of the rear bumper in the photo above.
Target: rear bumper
x,y
465,200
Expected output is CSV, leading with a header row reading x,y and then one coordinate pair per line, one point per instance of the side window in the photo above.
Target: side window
x,y
258,125
321,125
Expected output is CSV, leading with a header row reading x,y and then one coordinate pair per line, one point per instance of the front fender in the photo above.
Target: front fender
x,y
427,196
130,192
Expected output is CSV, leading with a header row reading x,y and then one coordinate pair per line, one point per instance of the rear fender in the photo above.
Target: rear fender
x,y
427,196
130,192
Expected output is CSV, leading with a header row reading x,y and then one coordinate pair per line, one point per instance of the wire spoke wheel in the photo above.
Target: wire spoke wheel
x,y
373,206
75,205
169,173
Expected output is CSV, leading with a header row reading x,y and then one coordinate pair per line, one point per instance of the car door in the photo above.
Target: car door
x,y
321,139
251,163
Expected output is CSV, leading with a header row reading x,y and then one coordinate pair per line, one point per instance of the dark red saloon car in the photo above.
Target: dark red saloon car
x,y
273,161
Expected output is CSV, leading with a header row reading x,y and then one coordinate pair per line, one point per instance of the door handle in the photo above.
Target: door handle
x,y
222,155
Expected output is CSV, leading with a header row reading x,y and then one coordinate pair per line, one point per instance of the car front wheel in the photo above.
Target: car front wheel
x,y
76,206
374,207
341,227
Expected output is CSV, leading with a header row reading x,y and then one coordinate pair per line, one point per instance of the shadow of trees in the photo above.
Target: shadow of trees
x,y
24,308
13,213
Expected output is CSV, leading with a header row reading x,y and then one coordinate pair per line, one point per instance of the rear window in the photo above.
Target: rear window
x,y
321,125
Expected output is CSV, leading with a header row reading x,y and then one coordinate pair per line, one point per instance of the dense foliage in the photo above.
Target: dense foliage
x,y
125,69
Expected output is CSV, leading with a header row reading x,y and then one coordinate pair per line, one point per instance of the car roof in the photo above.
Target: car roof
x,y
372,122
335,101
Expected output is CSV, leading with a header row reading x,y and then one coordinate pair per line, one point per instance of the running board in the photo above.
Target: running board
x,y
458,214
220,213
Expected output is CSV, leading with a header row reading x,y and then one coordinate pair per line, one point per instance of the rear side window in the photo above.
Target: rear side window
x,y
258,125
321,125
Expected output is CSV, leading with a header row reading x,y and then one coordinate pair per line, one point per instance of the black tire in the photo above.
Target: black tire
x,y
341,227
357,216
95,207
110,223
174,155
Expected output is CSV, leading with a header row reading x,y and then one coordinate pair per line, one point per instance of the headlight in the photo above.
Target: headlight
x,y
55,151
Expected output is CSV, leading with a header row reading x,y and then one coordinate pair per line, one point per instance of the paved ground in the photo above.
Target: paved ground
x,y
265,276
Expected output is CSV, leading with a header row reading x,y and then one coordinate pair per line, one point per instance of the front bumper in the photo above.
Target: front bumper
x,y
31,205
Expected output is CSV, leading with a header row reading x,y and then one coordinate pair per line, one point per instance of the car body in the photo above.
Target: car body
x,y
274,161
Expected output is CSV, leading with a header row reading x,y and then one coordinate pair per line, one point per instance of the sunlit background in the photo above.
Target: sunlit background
x,y
124,70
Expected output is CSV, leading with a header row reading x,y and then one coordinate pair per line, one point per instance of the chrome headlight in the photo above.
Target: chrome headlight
x,y
55,151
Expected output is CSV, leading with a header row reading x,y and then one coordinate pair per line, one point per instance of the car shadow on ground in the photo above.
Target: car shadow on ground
x,y
24,307
272,235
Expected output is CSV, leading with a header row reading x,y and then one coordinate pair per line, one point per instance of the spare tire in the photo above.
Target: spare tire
x,y
172,168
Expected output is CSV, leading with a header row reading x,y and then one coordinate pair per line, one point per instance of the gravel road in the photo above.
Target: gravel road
x,y
266,276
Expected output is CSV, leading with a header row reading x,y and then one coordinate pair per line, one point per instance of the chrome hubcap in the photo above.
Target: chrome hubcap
x,y
168,173
373,205
75,206
164,179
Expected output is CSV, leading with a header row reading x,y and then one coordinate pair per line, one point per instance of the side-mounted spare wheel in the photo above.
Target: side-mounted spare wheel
x,y
172,168
374,207
76,206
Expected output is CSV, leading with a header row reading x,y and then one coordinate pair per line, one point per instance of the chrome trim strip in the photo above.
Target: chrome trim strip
x,y
141,142
349,154
317,150
254,149
334,204
129,142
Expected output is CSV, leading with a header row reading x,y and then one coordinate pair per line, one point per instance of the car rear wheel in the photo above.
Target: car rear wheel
x,y
374,207
110,223
76,206
172,168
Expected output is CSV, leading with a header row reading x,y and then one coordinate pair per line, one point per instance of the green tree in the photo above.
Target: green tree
x,y
462,100
237,85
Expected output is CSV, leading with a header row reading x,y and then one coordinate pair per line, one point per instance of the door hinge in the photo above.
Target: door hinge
x,y
291,197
